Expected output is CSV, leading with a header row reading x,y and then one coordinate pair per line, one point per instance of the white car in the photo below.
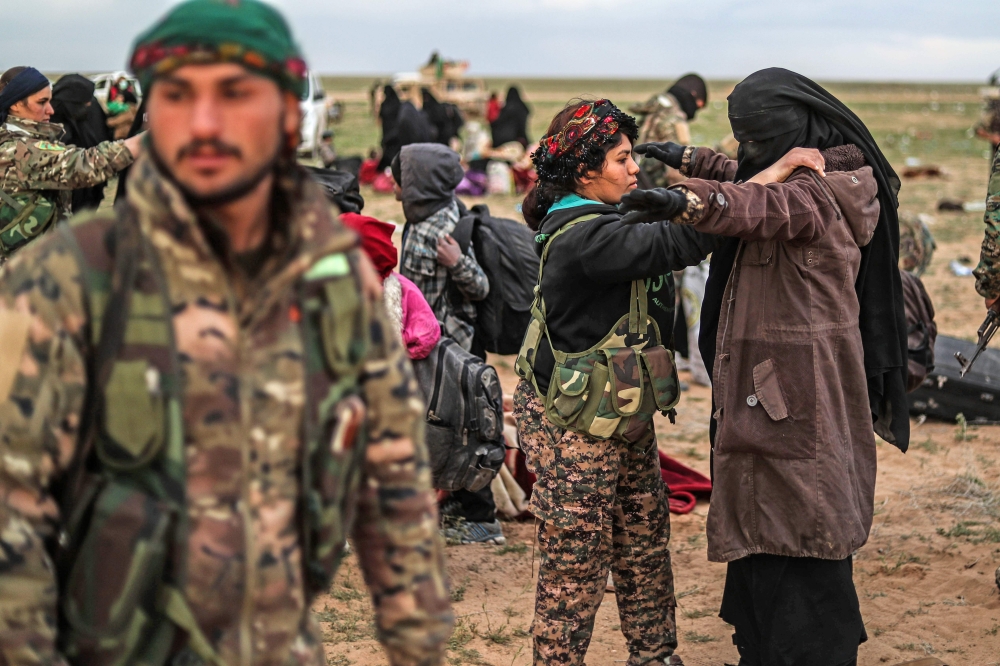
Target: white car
x,y
314,115
104,82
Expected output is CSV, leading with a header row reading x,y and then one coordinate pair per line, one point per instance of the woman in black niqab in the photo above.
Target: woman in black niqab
x,y
85,126
688,90
388,114
512,123
771,112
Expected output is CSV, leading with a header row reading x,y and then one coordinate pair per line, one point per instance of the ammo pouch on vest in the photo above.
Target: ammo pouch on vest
x,y
613,389
121,554
22,218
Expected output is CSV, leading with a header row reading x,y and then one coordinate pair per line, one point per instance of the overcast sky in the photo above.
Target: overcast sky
x,y
848,39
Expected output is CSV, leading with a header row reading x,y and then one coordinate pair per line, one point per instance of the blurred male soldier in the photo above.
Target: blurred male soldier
x,y
37,172
988,126
664,117
199,390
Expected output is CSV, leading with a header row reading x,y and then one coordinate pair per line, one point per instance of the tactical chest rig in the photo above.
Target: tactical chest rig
x,y
613,389
125,502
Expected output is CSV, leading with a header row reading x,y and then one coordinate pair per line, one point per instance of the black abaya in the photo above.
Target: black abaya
x,y
512,123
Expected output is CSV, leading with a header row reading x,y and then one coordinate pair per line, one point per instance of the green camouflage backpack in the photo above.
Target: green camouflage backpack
x,y
22,218
613,389
125,502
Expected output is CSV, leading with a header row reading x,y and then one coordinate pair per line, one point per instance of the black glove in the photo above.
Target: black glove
x,y
652,205
669,153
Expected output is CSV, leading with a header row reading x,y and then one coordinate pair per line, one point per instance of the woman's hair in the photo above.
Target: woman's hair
x,y
561,168
9,75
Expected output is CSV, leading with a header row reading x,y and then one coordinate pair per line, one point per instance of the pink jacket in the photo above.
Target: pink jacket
x,y
411,312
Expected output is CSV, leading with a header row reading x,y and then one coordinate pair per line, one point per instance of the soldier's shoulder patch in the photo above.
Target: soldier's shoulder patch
x,y
48,145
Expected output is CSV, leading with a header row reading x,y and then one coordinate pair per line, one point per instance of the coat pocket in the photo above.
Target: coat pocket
x,y
769,395
769,401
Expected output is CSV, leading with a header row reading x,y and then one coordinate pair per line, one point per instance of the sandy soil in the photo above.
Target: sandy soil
x,y
925,578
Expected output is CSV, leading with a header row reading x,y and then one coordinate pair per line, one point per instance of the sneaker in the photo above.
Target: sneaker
x,y
466,532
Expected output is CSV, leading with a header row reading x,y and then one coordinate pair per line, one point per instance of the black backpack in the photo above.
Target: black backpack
x,y
921,330
340,187
505,249
464,417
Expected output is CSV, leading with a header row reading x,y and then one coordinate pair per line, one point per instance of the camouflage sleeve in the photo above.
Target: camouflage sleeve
x,y
470,278
397,526
988,271
42,385
45,165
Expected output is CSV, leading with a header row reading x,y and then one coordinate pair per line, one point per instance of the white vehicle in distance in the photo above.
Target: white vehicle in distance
x,y
314,115
104,82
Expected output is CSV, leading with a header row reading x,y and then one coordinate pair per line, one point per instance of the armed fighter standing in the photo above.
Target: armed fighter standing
x,y
199,390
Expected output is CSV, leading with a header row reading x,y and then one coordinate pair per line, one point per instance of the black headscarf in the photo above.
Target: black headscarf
x,y
388,112
771,112
512,123
688,90
85,125
25,84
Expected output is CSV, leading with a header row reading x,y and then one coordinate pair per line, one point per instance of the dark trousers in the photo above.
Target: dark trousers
x,y
474,507
793,611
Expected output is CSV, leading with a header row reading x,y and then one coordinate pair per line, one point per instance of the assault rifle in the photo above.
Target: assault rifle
x,y
986,331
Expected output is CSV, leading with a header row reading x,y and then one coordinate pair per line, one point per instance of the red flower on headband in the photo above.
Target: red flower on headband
x,y
297,66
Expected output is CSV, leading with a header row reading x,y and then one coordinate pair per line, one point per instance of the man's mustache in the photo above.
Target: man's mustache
x,y
216,145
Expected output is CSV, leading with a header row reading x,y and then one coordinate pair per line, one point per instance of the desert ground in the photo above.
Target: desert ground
x,y
925,577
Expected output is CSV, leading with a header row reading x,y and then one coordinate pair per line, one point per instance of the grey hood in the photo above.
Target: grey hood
x,y
428,174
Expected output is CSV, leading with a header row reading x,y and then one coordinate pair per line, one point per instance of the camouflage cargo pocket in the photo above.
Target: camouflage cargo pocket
x,y
663,381
599,417
133,416
112,587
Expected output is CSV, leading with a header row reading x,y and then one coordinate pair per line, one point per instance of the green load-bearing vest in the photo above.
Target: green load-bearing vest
x,y
125,500
613,389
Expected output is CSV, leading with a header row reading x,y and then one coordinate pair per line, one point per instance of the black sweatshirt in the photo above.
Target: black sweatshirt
x,y
587,280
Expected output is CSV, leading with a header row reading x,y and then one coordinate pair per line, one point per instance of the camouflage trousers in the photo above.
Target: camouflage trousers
x,y
601,505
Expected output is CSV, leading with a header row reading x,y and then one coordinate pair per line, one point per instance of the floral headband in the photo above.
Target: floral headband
x,y
559,156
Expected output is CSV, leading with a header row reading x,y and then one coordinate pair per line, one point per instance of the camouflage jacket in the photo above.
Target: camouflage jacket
x,y
661,120
242,405
988,271
32,159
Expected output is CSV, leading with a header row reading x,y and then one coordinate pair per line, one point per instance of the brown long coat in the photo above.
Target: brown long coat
x,y
794,464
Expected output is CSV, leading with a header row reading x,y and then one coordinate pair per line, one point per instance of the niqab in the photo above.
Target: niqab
x,y
687,91
512,123
411,127
771,112
437,116
85,126
388,113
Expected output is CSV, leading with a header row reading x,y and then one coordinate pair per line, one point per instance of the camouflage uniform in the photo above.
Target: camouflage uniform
x,y
240,349
990,120
662,120
602,505
988,271
32,159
